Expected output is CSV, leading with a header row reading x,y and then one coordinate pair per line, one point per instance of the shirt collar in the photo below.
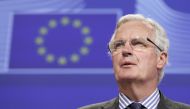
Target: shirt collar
x,y
151,102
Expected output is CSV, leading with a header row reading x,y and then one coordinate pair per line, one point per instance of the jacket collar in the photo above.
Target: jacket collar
x,y
162,104
113,104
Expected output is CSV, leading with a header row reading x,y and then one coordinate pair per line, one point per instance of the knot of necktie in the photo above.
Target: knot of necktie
x,y
136,105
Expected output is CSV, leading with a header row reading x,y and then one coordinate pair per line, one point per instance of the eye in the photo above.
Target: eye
x,y
119,44
138,43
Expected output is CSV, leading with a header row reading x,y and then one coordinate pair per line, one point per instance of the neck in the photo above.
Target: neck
x,y
137,91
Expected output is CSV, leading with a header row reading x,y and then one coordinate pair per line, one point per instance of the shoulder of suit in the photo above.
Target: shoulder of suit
x,y
101,105
176,105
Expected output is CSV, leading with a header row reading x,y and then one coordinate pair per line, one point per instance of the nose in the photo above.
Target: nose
x,y
126,53
127,50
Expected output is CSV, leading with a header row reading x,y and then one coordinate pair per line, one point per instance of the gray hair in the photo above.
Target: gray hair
x,y
159,33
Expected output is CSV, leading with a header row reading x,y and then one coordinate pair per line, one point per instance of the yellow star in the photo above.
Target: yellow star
x,y
74,58
84,50
39,40
52,23
65,21
41,50
43,31
88,40
62,61
85,30
76,23
50,58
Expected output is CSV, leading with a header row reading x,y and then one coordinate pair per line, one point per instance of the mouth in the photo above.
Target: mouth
x,y
127,64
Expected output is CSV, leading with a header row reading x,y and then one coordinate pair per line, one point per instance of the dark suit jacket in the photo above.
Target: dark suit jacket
x,y
164,103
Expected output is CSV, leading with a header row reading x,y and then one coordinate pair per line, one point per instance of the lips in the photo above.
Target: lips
x,y
127,64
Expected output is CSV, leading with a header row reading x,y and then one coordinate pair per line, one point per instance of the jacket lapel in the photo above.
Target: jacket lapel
x,y
163,102
113,104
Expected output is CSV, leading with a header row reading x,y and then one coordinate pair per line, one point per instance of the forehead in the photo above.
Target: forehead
x,y
134,29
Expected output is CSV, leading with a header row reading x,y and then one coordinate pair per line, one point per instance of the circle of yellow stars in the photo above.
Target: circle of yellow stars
x,y
62,60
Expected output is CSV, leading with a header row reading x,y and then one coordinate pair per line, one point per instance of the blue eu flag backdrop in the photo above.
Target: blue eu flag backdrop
x,y
61,40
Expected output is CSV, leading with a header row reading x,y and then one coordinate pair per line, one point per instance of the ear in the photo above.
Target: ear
x,y
162,60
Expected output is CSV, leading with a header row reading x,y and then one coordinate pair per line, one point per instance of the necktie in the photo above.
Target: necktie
x,y
135,105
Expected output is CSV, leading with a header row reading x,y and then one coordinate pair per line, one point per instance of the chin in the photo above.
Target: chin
x,y
127,71
126,76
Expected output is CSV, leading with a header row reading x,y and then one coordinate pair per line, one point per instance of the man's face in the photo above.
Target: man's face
x,y
135,65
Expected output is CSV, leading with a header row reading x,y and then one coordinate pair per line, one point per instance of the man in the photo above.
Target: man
x,y
139,51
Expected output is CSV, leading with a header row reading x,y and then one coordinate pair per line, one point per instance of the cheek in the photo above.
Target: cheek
x,y
115,62
147,59
147,63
